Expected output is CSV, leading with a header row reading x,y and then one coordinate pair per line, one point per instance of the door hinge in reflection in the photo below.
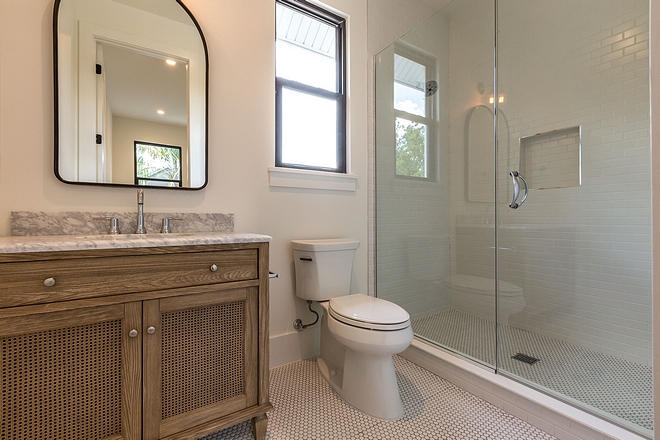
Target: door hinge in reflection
x,y
99,69
99,139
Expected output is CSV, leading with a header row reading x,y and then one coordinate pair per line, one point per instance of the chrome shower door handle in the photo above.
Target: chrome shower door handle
x,y
515,175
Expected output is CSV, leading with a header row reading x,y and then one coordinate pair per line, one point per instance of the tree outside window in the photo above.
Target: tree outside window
x,y
157,164
410,148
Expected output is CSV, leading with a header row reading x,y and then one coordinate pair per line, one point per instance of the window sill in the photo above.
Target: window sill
x,y
294,178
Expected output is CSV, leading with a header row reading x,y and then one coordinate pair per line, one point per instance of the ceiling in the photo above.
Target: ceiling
x,y
138,84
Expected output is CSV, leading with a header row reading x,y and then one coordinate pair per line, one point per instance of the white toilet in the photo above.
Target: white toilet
x,y
476,296
359,333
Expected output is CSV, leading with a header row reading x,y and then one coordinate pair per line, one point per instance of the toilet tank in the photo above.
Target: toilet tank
x,y
323,267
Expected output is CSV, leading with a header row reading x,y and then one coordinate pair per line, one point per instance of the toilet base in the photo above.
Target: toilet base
x,y
368,384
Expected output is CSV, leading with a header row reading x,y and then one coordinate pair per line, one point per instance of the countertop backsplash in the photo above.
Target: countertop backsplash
x,y
37,223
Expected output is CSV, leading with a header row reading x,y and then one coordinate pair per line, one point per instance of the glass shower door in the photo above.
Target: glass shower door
x,y
574,260
435,162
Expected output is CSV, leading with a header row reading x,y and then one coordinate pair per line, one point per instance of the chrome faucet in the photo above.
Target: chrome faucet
x,y
140,216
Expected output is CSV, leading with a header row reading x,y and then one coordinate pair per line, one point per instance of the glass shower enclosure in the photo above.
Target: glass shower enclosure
x,y
513,200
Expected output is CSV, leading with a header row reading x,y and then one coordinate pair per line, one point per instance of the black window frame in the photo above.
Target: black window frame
x,y
178,181
339,96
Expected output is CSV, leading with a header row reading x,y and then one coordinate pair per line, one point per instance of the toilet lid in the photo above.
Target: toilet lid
x,y
368,312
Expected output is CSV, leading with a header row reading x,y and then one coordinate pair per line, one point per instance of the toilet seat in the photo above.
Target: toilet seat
x,y
367,312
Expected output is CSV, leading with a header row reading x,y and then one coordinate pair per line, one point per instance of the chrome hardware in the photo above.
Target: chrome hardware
x,y
151,330
133,333
165,226
114,224
298,324
515,175
273,275
306,258
140,229
49,282
214,268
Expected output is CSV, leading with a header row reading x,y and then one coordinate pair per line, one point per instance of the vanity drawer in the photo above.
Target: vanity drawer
x,y
23,283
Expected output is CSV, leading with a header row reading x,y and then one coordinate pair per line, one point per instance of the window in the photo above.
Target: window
x,y
157,165
414,114
310,83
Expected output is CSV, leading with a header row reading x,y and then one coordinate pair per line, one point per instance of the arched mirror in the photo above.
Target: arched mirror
x,y
130,94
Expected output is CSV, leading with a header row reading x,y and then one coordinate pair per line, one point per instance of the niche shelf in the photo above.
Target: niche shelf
x,y
552,159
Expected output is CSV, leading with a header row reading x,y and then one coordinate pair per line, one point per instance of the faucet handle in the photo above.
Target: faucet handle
x,y
165,227
114,224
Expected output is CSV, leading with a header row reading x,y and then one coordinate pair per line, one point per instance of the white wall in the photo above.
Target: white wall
x,y
240,38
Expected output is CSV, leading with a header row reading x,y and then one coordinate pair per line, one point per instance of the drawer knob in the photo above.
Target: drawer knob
x,y
151,330
214,268
49,282
133,333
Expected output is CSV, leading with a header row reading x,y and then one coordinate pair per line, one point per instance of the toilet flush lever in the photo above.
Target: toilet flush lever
x,y
306,258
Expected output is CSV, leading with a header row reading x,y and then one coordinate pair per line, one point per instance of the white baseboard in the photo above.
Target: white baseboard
x,y
291,347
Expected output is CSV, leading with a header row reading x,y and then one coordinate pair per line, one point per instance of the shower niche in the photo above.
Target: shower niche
x,y
552,159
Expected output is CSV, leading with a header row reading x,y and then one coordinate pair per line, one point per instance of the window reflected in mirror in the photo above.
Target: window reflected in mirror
x,y
157,165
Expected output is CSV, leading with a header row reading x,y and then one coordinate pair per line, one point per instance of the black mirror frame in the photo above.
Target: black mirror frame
x,y
56,162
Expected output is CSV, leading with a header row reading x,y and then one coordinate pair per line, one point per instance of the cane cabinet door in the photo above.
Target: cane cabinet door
x,y
200,359
74,373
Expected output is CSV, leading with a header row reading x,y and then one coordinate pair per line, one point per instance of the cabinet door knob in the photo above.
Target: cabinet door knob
x,y
133,333
214,268
49,282
151,330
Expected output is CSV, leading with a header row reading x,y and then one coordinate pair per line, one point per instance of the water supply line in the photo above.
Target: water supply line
x,y
298,324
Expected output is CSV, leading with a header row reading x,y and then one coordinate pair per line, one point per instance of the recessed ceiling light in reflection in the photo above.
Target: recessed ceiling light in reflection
x,y
160,112
171,62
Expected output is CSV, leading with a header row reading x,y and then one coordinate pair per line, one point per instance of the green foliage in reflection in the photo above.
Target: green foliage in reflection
x,y
154,161
410,149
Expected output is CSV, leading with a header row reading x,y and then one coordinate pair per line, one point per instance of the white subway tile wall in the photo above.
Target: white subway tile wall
x,y
582,255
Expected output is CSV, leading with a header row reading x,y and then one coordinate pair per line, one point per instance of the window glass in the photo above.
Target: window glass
x,y
413,109
411,148
305,49
309,129
409,86
157,165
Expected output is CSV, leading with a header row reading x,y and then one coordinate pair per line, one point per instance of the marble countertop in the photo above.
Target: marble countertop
x,y
51,243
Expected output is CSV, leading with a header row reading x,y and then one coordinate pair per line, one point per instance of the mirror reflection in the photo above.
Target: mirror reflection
x,y
131,94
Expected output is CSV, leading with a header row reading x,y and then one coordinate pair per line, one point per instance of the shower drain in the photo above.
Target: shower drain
x,y
531,360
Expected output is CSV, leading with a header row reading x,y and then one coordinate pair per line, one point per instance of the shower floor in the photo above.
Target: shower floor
x,y
610,384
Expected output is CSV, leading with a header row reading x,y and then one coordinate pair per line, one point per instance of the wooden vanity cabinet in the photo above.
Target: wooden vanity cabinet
x,y
185,359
